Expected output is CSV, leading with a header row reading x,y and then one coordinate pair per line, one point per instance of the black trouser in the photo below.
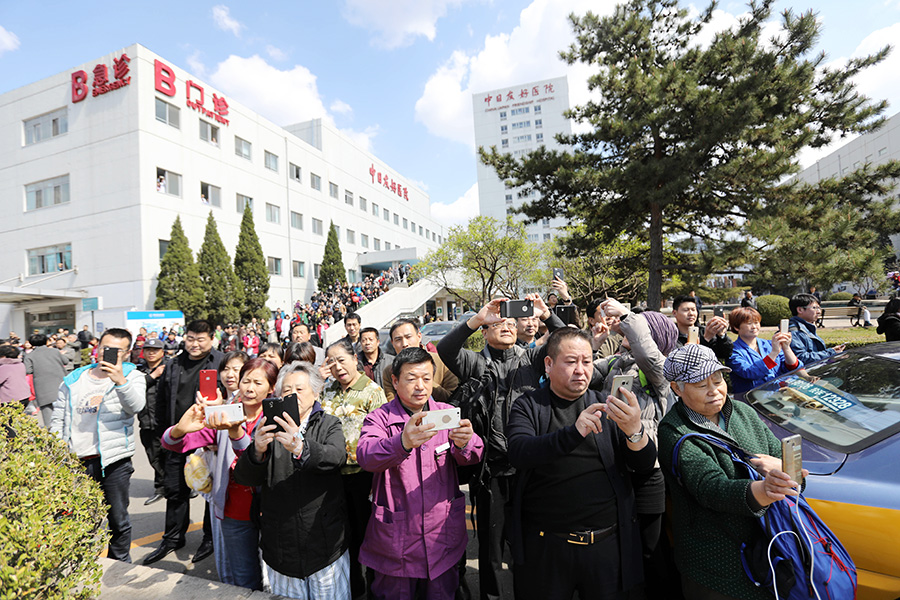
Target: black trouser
x,y
178,499
554,569
115,480
153,447
357,488
490,516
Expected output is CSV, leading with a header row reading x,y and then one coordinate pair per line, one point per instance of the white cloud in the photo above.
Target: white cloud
x,y
275,53
459,211
340,107
528,53
282,96
396,23
224,21
196,64
8,40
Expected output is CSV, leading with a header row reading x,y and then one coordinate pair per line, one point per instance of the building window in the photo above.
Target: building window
x,y
537,109
210,194
168,182
538,123
440,240
299,268
317,229
375,210
316,268
546,222
397,220
348,197
337,230
502,115
209,133
520,111
46,126
364,240
387,245
533,237
242,202
274,265
427,234
362,204
271,161
315,182
882,151
518,139
273,213
539,137
387,215
377,244
295,172
351,236
47,192
412,227
351,276
296,220
50,259
521,125
405,223
243,148
509,199
510,210
421,230
163,248
333,189
504,143
167,113
503,129
546,237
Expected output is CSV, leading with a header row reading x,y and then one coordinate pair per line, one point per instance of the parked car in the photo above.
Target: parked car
x,y
847,409
435,331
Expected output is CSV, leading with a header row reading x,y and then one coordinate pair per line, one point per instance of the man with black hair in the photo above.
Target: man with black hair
x,y
300,333
177,392
94,414
808,346
152,365
613,341
352,323
405,334
712,335
372,358
48,367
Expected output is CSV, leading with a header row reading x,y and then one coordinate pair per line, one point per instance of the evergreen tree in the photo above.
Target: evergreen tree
x,y
689,136
332,269
178,285
224,293
250,268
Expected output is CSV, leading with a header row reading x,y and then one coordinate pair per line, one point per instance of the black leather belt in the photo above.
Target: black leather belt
x,y
584,538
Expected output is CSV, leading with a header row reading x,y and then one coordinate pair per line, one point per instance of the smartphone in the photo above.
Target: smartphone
x,y
208,382
277,407
516,308
792,457
568,313
233,412
621,381
559,274
447,418
693,335
785,323
718,311
111,355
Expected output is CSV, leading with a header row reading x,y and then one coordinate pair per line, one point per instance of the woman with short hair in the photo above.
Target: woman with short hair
x,y
754,360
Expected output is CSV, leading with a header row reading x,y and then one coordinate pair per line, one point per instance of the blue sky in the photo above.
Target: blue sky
x,y
396,75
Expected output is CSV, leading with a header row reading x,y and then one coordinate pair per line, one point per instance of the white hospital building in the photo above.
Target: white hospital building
x,y
96,163
518,119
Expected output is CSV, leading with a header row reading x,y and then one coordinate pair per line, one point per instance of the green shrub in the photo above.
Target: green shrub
x,y
840,296
51,513
772,309
475,343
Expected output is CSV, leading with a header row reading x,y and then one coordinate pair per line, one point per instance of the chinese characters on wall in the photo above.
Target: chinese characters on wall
x,y
101,84
521,94
388,183
195,94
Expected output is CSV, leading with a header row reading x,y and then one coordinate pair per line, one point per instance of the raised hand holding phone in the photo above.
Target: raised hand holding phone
x,y
416,433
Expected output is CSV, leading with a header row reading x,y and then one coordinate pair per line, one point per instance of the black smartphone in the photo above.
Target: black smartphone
x,y
277,407
559,274
567,313
516,309
718,311
111,355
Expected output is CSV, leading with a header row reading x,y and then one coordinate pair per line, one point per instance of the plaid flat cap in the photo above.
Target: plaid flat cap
x,y
692,363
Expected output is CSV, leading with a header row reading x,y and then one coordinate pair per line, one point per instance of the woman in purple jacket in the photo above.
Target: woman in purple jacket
x,y
417,533
13,381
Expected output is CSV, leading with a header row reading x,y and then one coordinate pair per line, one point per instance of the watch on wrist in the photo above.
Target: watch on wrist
x,y
634,439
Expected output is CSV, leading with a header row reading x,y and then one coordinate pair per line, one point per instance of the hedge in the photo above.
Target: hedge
x,y
772,309
51,514
840,296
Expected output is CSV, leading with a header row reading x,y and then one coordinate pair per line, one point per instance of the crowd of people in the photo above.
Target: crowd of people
x,y
564,435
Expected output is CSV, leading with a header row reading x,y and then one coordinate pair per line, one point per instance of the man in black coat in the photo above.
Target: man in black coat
x,y
153,365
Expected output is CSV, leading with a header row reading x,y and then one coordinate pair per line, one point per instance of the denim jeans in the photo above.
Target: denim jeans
x,y
239,555
115,480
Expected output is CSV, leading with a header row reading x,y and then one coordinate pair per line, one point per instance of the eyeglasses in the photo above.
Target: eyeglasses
x,y
503,325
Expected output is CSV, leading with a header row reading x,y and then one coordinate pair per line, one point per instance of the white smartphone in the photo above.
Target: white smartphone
x,y
447,418
693,335
233,412
785,323
621,381
792,457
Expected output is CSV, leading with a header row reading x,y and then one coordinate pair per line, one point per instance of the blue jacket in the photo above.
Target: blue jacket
x,y
748,367
805,343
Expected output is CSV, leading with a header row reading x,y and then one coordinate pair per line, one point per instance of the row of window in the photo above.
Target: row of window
x,y
536,237
46,126
520,111
518,139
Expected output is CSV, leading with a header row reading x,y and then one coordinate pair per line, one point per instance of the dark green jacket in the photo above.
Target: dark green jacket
x,y
710,508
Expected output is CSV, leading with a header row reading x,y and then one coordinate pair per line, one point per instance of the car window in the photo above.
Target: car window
x,y
846,404
437,328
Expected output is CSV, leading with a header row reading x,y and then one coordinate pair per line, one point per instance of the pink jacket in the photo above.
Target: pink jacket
x,y
400,540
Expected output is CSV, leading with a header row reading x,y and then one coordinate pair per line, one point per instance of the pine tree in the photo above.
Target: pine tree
x,y
224,293
250,268
178,285
332,269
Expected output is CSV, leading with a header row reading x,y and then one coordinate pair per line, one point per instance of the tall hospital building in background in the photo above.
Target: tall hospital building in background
x,y
97,162
518,119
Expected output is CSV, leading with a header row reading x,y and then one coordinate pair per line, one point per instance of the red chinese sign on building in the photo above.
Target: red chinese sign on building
x,y
195,94
388,183
522,93
101,84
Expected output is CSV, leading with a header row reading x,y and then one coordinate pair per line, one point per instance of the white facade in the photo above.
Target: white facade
x,y
516,120
83,217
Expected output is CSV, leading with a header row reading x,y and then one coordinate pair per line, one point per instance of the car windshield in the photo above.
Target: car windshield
x,y
846,403
437,328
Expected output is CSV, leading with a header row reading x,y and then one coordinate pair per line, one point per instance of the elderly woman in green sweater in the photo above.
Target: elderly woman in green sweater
x,y
714,505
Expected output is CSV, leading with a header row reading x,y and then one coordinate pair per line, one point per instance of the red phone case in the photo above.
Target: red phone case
x,y
208,383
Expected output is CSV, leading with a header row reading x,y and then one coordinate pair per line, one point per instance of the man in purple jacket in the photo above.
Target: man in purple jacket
x,y
417,533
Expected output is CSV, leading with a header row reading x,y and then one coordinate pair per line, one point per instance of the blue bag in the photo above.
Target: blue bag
x,y
797,557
